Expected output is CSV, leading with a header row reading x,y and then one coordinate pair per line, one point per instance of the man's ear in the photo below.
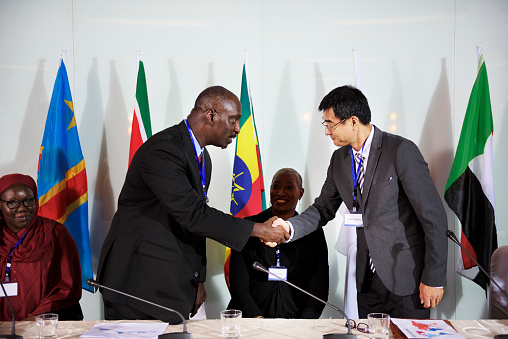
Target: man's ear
x,y
210,115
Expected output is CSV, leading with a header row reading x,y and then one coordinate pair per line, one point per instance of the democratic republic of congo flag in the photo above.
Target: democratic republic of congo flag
x,y
470,187
247,193
141,125
61,177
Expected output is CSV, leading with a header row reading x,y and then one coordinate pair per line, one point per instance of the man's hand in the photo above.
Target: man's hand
x,y
200,298
268,234
278,222
430,296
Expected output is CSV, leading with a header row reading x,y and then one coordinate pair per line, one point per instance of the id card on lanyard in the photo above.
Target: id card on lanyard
x,y
353,217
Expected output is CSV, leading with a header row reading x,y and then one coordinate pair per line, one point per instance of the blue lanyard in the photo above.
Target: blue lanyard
x,y
277,249
202,167
355,175
8,269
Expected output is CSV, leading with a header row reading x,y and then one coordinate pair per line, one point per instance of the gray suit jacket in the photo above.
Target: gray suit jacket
x,y
404,219
155,248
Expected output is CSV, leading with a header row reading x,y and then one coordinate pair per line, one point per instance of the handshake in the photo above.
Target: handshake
x,y
272,232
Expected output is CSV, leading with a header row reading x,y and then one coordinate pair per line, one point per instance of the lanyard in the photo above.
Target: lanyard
x,y
202,167
8,269
277,248
355,175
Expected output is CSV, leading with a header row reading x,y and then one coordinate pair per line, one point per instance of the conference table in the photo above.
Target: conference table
x,y
261,328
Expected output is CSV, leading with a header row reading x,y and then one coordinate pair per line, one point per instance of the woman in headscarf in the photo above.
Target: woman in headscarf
x,y
303,262
39,260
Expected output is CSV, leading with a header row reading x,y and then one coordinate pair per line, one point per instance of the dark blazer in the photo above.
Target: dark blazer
x,y
404,219
155,248
307,264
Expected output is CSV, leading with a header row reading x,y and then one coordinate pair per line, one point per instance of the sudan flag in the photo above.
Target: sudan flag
x,y
470,188
141,125
247,190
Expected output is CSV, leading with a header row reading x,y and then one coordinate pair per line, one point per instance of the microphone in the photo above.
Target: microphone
x,y
13,330
453,238
259,267
175,335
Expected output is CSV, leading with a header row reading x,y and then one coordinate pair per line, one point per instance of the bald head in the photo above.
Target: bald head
x,y
215,118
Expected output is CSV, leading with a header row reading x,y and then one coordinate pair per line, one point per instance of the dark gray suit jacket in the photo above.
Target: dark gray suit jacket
x,y
404,219
155,248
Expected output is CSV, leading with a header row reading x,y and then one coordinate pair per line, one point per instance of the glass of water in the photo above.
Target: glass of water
x,y
379,325
231,321
46,325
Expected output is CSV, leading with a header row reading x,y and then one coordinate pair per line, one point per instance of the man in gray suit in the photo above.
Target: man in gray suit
x,y
400,221
156,246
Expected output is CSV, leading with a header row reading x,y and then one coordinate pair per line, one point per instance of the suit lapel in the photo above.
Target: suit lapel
x,y
374,155
191,157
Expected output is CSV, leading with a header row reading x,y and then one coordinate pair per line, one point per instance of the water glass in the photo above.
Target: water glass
x,y
231,321
46,325
379,325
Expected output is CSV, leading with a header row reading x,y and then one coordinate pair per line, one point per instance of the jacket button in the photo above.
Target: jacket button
x,y
367,227
196,274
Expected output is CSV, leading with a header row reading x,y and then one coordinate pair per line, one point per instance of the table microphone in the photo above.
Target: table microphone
x,y
175,335
453,238
259,267
13,330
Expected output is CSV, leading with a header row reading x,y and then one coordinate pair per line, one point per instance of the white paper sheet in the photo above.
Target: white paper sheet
x,y
125,330
418,328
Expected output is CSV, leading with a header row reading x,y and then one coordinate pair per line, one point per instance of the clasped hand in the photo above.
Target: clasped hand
x,y
277,223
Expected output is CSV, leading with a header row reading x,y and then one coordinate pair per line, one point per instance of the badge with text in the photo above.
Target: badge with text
x,y
281,271
353,219
10,288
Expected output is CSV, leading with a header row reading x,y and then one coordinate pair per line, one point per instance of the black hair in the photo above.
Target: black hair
x,y
347,101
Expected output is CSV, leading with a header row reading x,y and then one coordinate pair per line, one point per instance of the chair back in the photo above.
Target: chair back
x,y
498,302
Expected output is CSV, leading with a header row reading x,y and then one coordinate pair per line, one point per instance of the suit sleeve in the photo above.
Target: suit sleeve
x,y
422,194
172,175
324,208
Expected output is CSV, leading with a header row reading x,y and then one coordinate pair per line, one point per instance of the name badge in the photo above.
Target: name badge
x,y
281,271
353,219
11,289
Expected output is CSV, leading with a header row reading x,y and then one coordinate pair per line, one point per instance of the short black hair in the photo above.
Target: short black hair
x,y
292,172
347,101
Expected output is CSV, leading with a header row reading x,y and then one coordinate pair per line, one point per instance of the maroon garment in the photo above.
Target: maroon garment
x,y
45,265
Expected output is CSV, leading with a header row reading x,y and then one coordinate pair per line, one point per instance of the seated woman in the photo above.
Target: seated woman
x,y
37,254
305,261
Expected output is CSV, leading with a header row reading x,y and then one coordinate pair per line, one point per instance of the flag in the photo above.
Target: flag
x,y
61,174
141,125
247,192
470,188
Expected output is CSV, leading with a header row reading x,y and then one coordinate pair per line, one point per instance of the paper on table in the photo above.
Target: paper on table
x,y
125,330
418,328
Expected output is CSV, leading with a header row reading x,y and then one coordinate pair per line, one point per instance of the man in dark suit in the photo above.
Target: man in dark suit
x,y
155,248
400,220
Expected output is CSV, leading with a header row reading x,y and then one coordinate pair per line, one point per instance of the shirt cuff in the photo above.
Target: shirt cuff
x,y
291,231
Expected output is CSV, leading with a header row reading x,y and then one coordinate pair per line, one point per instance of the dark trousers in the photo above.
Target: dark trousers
x,y
374,297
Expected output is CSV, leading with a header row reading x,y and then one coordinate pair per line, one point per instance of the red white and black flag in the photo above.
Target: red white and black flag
x,y
470,188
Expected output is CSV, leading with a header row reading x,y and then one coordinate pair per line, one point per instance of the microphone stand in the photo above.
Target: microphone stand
x,y
349,334
175,335
13,330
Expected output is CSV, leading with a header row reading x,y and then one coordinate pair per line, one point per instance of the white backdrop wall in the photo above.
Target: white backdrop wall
x,y
418,64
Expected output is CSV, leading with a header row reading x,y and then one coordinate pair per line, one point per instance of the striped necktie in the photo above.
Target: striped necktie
x,y
361,175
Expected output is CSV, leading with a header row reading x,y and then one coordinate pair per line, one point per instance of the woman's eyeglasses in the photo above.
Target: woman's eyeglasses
x,y
362,327
30,202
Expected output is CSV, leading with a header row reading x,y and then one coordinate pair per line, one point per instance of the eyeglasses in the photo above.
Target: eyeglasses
x,y
362,327
13,204
331,128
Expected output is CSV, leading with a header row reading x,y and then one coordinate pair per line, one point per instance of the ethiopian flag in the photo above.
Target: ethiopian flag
x,y
247,190
61,176
470,187
141,125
